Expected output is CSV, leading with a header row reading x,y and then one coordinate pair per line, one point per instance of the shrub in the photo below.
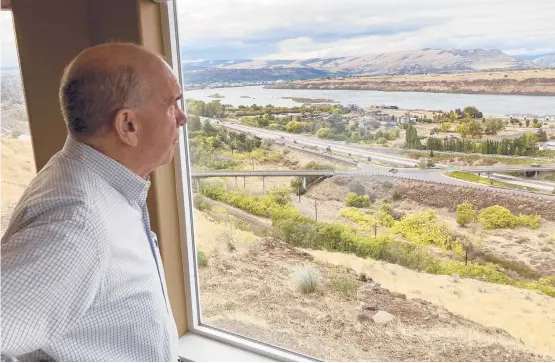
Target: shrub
x,y
346,286
307,280
387,184
397,195
465,213
425,228
357,216
202,259
200,203
358,201
497,216
500,217
357,188
532,221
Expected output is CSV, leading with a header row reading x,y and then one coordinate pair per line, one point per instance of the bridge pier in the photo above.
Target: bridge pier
x,y
264,185
197,183
244,182
236,183
536,175
304,182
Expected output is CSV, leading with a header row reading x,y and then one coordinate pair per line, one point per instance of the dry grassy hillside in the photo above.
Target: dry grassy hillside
x,y
529,82
18,168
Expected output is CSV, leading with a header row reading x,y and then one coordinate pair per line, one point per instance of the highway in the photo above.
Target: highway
x,y
406,171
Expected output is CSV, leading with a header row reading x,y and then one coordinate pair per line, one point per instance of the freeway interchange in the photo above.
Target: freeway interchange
x,y
406,167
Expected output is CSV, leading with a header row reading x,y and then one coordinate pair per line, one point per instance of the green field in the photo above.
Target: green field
x,y
471,177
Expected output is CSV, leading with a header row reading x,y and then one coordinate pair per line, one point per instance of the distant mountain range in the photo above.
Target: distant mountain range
x,y
402,62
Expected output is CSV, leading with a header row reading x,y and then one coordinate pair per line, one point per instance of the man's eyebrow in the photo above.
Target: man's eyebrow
x,y
174,99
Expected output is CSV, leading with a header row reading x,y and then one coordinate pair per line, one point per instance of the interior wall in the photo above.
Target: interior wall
x,y
49,34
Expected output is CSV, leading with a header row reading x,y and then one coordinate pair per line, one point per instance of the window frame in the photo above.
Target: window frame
x,y
244,348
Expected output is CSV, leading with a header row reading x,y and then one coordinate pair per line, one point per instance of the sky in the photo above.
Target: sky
x,y
302,29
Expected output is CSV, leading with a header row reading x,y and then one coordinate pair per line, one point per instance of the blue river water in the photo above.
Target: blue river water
x,y
490,105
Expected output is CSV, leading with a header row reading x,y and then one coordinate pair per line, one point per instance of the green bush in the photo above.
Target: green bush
x,y
346,286
357,188
420,229
532,221
497,216
202,259
465,213
200,203
358,201
425,228
387,184
397,195
307,280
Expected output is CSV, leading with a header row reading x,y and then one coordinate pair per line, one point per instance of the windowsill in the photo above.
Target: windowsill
x,y
198,348
207,344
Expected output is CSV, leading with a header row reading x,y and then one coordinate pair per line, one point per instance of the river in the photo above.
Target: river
x,y
490,105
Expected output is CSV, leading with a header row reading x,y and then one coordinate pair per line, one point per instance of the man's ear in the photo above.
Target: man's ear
x,y
127,127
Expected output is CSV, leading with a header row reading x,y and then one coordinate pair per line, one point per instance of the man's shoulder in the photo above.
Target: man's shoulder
x,y
64,190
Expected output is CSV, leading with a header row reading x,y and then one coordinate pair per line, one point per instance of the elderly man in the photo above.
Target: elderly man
x,y
82,278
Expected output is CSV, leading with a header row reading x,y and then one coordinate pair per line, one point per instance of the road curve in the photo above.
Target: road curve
x,y
431,175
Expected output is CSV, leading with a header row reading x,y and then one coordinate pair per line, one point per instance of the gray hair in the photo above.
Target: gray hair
x,y
91,97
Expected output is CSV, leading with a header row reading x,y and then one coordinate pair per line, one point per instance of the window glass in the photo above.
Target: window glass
x,y
374,180
18,165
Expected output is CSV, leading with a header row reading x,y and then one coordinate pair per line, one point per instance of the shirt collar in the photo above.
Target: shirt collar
x,y
126,182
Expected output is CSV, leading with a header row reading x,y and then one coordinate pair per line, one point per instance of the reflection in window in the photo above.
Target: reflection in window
x,y
402,202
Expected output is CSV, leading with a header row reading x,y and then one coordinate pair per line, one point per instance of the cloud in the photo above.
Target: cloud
x,y
315,28
8,49
292,29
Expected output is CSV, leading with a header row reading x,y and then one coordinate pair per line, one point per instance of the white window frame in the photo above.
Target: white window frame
x,y
203,342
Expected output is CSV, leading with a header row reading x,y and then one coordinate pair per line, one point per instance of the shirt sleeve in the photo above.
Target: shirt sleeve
x,y
51,274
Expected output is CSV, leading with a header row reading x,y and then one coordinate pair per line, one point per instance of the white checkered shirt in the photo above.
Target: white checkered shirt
x,y
82,278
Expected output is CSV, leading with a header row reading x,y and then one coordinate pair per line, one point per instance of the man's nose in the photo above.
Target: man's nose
x,y
182,120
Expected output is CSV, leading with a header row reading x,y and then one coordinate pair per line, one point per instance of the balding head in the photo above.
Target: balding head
x,y
104,79
123,101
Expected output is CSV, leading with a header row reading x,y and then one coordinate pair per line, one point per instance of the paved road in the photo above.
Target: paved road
x,y
432,175
362,151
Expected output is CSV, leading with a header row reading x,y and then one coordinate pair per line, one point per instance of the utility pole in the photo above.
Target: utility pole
x,y
299,191
316,210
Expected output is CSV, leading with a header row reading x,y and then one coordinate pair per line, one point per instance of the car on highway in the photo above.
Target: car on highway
x,y
393,171
535,165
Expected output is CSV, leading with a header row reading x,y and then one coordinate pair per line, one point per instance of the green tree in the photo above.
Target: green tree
x,y
323,133
542,135
445,126
493,126
294,127
465,213
194,123
412,141
463,129
474,128
358,201
472,112
527,123
195,107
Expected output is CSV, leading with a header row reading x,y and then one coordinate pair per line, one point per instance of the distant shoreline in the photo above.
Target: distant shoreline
x,y
518,83
414,90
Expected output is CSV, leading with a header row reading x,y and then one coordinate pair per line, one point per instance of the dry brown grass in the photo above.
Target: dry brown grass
x,y
252,292
541,81
18,168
